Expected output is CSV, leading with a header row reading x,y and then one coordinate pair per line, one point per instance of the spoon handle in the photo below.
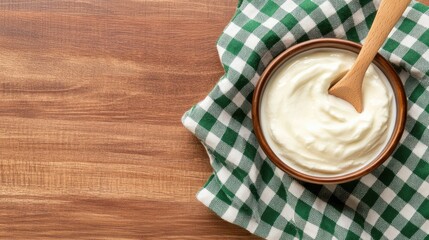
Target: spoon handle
x,y
387,16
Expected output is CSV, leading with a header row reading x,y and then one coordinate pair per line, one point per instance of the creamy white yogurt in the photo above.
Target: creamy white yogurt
x,y
318,133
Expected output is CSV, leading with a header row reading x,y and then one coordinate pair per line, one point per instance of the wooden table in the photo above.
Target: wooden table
x,y
91,95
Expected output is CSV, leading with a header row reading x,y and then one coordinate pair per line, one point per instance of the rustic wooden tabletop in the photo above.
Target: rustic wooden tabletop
x,y
91,95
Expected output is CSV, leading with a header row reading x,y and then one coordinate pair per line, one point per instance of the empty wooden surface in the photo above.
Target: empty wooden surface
x,y
91,95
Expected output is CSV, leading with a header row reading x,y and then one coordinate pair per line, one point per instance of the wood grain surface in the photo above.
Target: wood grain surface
x,y
91,95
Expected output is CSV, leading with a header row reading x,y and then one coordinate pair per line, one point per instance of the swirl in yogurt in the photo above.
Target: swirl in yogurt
x,y
318,133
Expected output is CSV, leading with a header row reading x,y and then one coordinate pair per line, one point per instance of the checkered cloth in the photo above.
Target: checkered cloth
x,y
248,190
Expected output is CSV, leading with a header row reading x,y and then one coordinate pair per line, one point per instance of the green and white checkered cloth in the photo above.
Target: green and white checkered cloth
x,y
248,190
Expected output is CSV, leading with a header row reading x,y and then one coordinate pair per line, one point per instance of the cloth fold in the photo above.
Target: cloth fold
x,y
248,190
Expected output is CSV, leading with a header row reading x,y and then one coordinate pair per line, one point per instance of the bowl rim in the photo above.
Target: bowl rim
x,y
379,61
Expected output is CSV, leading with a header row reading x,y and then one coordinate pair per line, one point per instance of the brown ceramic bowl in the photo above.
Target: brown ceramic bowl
x,y
379,61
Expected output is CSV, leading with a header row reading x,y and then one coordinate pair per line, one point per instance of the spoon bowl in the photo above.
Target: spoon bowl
x,y
349,88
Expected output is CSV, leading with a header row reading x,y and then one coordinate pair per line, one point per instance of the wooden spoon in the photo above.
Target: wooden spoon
x,y
349,88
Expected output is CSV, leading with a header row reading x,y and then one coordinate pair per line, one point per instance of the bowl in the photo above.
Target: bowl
x,y
399,98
